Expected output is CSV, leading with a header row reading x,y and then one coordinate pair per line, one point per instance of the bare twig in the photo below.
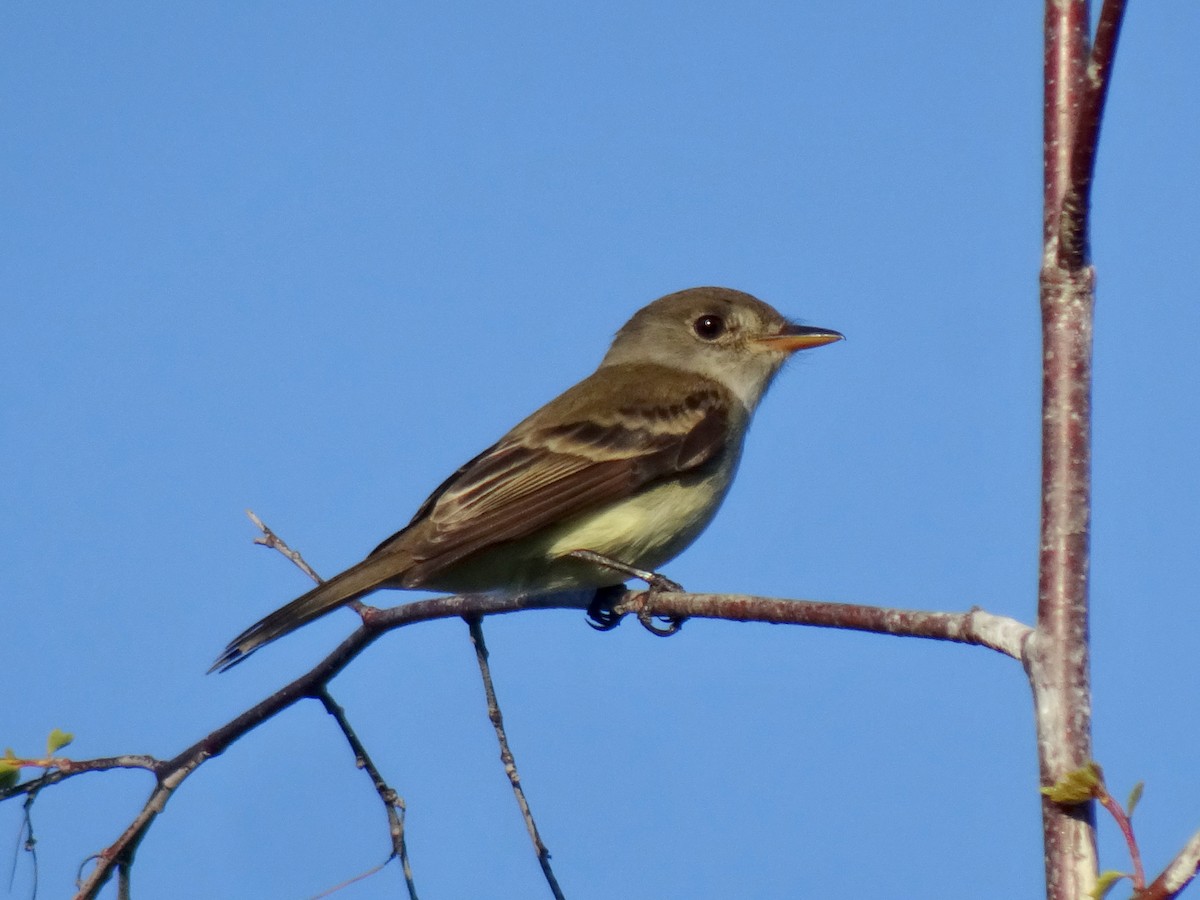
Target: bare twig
x,y
275,542
354,879
1073,221
1178,875
392,802
61,768
124,887
506,756
999,633
27,842
1066,48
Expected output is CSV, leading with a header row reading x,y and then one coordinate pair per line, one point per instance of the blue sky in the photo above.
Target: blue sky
x,y
308,258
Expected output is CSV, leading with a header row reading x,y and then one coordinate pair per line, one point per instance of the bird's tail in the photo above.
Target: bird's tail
x,y
342,588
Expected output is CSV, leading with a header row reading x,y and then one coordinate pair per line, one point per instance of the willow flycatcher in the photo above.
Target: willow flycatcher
x,y
632,464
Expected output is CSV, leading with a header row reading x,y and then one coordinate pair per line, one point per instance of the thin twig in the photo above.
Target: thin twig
x,y
1126,825
275,542
393,803
1066,48
1074,213
999,633
475,623
124,888
354,879
61,768
27,842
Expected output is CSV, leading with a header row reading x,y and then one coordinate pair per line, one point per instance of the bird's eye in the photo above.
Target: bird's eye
x,y
709,327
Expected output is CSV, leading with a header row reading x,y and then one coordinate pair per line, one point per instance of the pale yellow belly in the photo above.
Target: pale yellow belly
x,y
645,531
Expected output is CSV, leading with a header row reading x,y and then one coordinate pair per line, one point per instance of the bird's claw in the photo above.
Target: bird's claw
x,y
671,626
602,612
660,584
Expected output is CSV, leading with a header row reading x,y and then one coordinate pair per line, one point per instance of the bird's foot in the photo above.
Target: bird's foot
x,y
604,612
670,624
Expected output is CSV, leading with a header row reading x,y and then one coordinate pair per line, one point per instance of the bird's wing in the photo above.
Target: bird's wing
x,y
559,462
556,465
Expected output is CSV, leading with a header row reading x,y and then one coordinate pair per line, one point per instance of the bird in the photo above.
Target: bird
x,y
629,465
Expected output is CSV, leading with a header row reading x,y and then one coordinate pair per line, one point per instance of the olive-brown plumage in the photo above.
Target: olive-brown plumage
x,y
631,463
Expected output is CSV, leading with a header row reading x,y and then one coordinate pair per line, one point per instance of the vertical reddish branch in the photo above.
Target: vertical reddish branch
x,y
1057,657
1072,226
1066,47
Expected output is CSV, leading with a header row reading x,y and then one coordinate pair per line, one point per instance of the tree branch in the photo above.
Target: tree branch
x,y
392,802
273,541
506,756
1074,213
1076,85
1124,822
119,855
1178,875
61,768
1066,42
999,633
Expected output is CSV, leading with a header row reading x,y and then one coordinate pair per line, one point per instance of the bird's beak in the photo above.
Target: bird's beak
x,y
798,337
